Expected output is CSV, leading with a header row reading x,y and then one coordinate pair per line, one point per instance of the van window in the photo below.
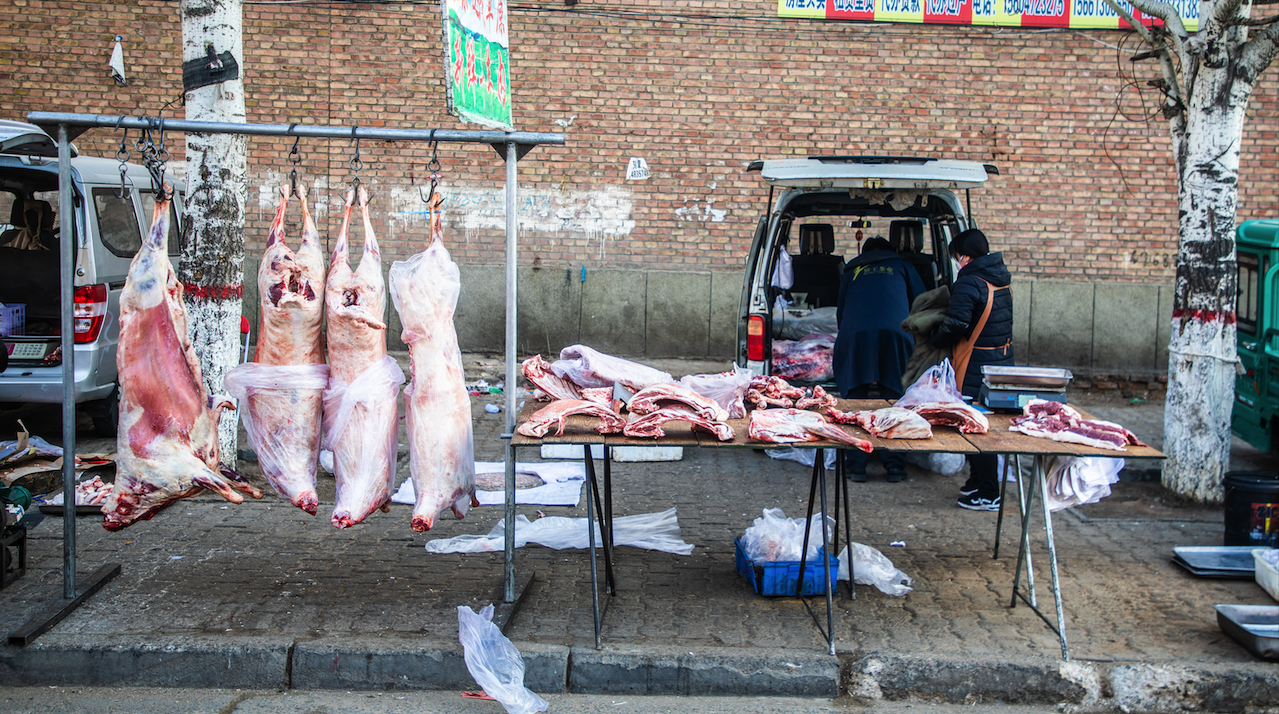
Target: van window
x,y
117,222
1250,272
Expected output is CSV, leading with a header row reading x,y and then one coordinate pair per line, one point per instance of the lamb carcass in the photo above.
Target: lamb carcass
x,y
360,406
437,407
650,425
1060,422
281,391
957,414
887,423
539,374
167,442
586,367
788,426
654,397
555,414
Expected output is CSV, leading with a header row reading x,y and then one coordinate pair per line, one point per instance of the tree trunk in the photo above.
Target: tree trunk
x,y
212,265
1202,358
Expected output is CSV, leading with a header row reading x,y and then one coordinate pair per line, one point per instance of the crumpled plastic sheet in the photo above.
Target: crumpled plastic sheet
x,y
727,389
494,662
775,538
1076,480
874,568
651,531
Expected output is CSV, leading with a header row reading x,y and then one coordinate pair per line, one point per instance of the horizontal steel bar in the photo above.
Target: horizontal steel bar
x,y
47,119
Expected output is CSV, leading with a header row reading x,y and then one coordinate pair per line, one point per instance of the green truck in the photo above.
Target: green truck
x,y
1257,386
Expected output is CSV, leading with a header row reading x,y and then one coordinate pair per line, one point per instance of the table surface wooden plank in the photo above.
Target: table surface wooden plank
x,y
578,429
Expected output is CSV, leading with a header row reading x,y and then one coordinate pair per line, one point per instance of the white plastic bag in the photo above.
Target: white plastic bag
x,y
651,531
803,456
590,368
938,463
727,389
494,662
776,538
936,384
1076,480
784,271
874,568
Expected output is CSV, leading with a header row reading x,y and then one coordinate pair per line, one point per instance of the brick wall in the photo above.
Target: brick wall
x,y
1086,190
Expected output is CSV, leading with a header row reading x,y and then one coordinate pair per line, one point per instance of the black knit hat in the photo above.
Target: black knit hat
x,y
876,243
971,243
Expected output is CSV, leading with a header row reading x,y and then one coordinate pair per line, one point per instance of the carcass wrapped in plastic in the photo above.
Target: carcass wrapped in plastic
x,y
809,359
437,407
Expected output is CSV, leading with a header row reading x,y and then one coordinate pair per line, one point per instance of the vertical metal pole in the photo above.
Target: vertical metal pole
x,y
66,210
511,249
1052,561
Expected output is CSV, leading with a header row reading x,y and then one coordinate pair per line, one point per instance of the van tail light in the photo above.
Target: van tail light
x,y
755,338
89,312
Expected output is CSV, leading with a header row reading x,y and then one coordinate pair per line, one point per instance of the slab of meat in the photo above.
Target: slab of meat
x,y
281,391
539,374
167,443
653,398
555,414
1059,422
788,426
586,367
887,423
957,414
759,400
360,406
806,360
775,387
817,401
436,406
650,425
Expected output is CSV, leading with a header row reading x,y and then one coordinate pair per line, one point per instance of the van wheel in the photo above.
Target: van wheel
x,y
105,414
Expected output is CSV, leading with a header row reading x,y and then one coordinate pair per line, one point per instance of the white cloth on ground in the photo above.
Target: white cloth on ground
x,y
651,531
562,487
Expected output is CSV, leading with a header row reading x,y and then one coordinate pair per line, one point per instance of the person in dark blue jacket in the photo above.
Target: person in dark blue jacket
x,y
871,349
979,328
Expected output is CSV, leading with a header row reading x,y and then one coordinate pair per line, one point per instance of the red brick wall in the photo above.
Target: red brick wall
x,y
1086,190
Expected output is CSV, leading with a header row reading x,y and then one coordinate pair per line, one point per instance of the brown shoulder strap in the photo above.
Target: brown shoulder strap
x,y
964,348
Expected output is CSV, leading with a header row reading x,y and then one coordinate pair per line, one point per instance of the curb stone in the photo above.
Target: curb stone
x,y
702,671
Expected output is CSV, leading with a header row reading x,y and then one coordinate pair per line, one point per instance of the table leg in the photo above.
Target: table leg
x,y
590,541
1025,501
608,490
999,522
841,485
606,525
1052,557
830,603
808,518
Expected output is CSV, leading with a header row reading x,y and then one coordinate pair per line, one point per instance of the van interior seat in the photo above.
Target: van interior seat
x,y
817,270
907,240
32,222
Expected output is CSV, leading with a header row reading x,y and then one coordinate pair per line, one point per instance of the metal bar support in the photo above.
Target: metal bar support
x,y
67,275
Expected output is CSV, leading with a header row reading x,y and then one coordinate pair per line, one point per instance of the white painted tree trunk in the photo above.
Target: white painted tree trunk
x,y
212,265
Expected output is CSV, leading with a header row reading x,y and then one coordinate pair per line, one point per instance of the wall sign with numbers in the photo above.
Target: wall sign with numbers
x,y
1090,14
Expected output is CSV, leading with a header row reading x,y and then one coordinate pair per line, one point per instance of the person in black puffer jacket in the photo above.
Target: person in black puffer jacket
x,y
982,275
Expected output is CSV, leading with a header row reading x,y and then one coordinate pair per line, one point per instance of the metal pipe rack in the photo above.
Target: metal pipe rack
x,y
512,146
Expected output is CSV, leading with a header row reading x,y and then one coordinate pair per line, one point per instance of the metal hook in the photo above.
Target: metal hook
x,y
295,157
356,163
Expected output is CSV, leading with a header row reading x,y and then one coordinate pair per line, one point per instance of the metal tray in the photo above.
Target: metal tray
x,y
1212,573
1041,376
1236,558
1256,627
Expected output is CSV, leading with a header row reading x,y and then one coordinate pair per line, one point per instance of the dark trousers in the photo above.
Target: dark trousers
x,y
983,471
855,460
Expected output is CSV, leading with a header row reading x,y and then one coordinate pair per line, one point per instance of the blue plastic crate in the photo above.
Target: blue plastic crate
x,y
778,578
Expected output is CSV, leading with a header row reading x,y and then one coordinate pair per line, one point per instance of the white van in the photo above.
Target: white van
x,y
820,211
106,235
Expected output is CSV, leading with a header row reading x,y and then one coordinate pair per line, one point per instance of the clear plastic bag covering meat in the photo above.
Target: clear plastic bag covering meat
x,y
872,567
726,388
280,406
935,385
494,662
774,537
819,320
807,360
586,367
364,463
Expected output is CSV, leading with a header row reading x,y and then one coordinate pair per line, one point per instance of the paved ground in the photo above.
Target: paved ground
x,y
263,595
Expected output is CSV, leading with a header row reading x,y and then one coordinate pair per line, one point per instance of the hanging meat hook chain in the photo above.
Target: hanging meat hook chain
x,y
433,167
295,158
122,155
154,155
356,163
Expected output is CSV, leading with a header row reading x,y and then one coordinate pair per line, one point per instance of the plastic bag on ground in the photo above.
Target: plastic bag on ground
x,y
727,389
944,464
494,662
775,538
651,531
803,456
936,384
874,568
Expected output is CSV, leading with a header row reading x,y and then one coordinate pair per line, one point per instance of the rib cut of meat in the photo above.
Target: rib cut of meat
x,y
281,391
775,387
555,414
436,406
887,423
1059,422
650,425
817,401
360,405
539,374
788,426
586,367
957,414
167,441
653,398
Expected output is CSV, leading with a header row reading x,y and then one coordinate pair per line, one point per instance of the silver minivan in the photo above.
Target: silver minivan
x,y
821,209
112,209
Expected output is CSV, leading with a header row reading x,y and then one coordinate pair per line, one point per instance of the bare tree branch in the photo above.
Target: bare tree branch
x,y
1259,22
1155,8
1260,50
1160,50
1227,13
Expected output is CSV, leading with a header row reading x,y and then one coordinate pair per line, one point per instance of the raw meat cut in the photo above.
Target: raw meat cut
x,y
586,367
817,401
650,424
601,395
360,406
787,426
539,374
957,414
1060,422
775,387
887,423
281,391
555,414
806,360
167,443
759,400
654,397
437,407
